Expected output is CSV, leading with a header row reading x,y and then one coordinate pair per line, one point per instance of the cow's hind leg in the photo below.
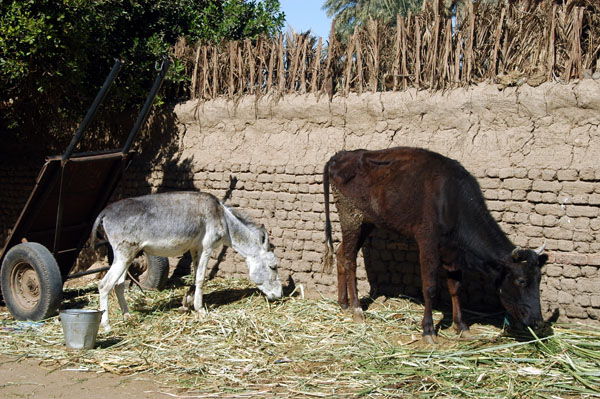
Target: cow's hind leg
x,y
430,260
353,237
341,278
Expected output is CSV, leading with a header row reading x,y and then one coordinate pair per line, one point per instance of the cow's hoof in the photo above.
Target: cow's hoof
x,y
358,316
465,335
430,339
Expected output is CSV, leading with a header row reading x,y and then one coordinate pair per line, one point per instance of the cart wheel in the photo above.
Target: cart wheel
x,y
152,272
31,282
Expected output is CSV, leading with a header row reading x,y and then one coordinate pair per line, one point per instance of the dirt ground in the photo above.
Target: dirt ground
x,y
27,378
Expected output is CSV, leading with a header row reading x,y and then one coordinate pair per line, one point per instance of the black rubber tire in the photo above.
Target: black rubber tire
x,y
31,282
157,272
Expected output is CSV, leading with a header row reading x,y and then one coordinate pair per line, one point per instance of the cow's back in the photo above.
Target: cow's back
x,y
393,186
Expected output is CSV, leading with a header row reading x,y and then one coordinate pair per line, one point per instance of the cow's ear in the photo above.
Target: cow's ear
x,y
542,259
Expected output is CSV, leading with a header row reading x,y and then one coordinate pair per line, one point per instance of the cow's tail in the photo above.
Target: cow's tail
x,y
94,228
328,256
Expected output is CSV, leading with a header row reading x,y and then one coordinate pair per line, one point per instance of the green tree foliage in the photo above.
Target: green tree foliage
x,y
349,13
55,54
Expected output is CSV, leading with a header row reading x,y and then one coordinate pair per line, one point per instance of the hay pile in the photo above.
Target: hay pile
x,y
247,347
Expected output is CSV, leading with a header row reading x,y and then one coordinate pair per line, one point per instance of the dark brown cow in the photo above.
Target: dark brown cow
x,y
433,199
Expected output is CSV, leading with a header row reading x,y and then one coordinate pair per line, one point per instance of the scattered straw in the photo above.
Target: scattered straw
x,y
298,347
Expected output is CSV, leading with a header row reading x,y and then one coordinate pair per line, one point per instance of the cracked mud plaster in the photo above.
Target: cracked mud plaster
x,y
551,126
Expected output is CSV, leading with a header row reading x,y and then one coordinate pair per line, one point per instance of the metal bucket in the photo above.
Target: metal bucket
x,y
80,327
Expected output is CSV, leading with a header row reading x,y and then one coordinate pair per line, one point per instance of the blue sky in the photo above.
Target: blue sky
x,y
302,15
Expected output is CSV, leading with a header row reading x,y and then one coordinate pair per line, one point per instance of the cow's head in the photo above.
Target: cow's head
x,y
519,285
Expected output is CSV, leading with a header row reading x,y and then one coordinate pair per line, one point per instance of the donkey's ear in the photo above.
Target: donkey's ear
x,y
265,236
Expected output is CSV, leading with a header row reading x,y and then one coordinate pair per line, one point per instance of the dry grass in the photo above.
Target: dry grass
x,y
247,347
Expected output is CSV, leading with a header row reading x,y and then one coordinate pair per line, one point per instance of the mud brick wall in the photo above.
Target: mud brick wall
x,y
533,150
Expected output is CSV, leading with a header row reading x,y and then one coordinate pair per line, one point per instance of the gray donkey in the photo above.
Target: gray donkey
x,y
170,224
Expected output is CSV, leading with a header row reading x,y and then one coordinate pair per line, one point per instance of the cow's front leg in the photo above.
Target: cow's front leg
x,y
454,286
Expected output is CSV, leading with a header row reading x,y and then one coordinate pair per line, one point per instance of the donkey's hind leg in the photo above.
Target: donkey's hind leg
x,y
112,277
120,291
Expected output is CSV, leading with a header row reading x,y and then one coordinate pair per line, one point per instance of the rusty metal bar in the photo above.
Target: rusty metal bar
x,y
93,109
147,105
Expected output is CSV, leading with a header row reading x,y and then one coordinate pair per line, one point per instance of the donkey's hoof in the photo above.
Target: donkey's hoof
x,y
183,309
106,328
430,339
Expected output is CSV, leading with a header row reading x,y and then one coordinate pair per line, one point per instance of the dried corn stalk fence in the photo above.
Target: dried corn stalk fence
x,y
535,41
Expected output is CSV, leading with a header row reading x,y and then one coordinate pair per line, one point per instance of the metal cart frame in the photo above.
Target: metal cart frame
x,y
55,223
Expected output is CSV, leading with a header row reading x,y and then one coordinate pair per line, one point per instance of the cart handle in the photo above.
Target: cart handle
x,y
93,109
166,62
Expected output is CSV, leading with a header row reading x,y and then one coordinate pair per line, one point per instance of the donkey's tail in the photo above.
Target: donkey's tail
x,y
328,256
94,228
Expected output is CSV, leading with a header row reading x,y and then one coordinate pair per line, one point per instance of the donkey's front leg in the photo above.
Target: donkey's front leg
x,y
188,298
200,272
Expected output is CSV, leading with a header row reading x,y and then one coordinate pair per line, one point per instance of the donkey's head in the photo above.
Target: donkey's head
x,y
262,266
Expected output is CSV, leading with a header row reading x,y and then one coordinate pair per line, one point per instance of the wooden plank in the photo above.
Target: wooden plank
x,y
195,73
280,66
349,61
397,51
493,71
316,69
417,52
551,54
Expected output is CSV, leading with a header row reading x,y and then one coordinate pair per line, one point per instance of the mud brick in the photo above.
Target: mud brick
x,y
505,173
567,174
586,211
517,184
548,174
553,270
534,196
578,187
576,311
549,198
550,209
571,271
543,185
489,183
